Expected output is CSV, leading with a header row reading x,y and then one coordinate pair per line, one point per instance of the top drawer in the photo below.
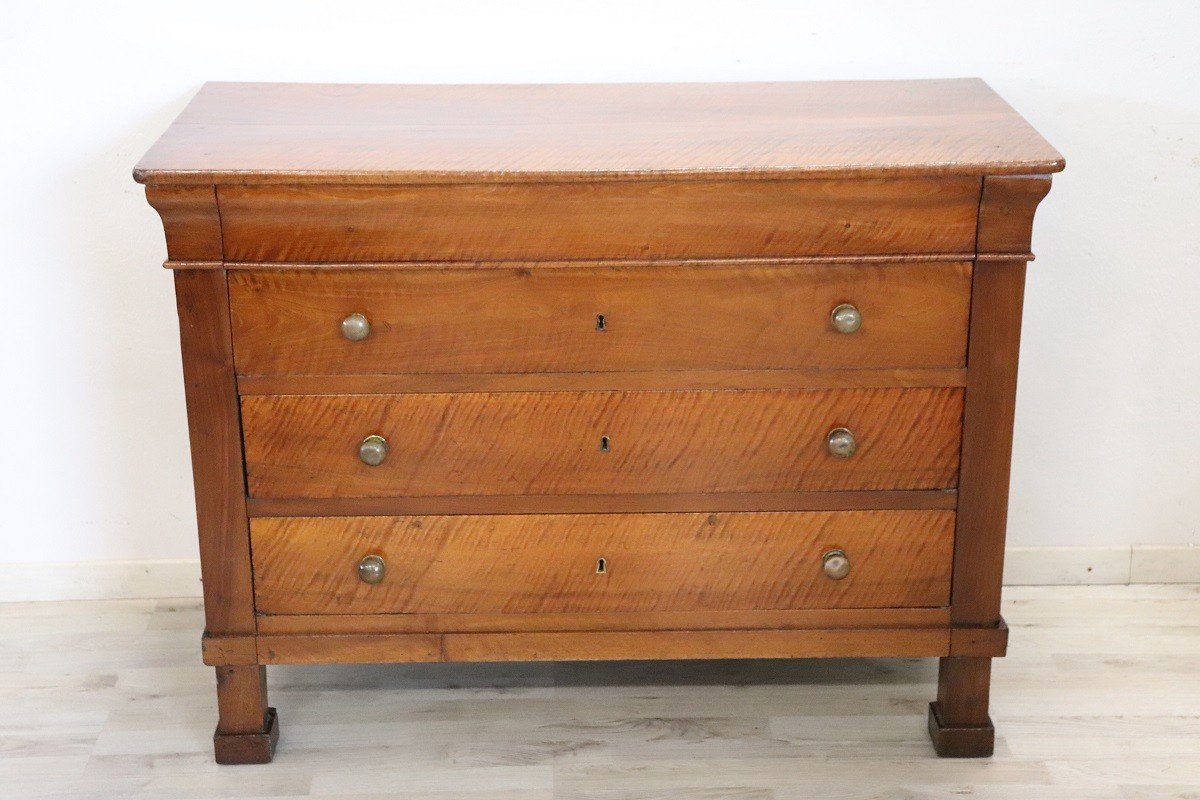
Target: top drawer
x,y
559,318
605,220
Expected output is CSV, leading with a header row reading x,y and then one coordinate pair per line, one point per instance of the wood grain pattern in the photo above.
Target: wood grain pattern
x,y
641,219
655,379
484,230
403,383
1006,211
654,318
247,729
550,442
992,641
990,403
602,645
959,724
745,619
191,221
602,503
221,650
241,698
215,432
293,133
531,564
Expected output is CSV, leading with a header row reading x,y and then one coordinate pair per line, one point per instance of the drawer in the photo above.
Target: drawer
x,y
558,318
602,442
608,219
513,564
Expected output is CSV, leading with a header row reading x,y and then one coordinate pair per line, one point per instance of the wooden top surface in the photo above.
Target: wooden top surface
x,y
408,134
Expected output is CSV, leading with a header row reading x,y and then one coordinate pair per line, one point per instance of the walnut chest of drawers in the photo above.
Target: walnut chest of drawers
x,y
599,372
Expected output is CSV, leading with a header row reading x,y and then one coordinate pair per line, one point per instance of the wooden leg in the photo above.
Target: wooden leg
x,y
959,724
247,729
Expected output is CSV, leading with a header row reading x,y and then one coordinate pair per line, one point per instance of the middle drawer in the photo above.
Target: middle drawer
x,y
601,442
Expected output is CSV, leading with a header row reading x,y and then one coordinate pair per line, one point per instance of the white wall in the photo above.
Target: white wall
x,y
94,446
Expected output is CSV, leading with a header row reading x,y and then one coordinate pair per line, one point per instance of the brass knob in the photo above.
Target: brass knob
x,y
373,450
356,327
836,564
841,443
371,569
846,318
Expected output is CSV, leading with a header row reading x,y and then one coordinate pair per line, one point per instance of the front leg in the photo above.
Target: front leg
x,y
959,724
247,729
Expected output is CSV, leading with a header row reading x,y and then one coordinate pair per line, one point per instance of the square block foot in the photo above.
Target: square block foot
x,y
977,741
248,748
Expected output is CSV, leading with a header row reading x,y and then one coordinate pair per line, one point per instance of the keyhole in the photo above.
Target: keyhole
x,y
601,566
603,444
600,322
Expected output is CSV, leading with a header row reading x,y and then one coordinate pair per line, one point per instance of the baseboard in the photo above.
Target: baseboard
x,y
1073,566
99,580
1023,566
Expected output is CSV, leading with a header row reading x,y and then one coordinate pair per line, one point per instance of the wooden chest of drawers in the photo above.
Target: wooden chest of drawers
x,y
599,372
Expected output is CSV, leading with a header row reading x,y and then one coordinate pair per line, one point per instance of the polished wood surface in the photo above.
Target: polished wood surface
x,y
215,432
1006,210
744,619
247,729
552,442
191,221
630,563
716,218
987,439
405,382
600,320
858,499
485,231
602,645
295,133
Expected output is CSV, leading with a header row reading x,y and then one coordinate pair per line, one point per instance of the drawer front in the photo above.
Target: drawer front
x,y
512,564
558,318
647,219
610,442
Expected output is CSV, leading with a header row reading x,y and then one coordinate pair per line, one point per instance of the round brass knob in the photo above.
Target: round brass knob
x,y
846,318
841,443
356,327
373,450
835,564
371,569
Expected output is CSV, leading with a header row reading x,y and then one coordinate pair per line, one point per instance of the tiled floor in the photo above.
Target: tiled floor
x,y
1098,698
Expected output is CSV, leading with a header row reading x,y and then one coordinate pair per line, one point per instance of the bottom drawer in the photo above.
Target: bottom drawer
x,y
529,564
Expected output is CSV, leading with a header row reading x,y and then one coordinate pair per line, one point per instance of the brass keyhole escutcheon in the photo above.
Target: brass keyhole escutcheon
x,y
601,566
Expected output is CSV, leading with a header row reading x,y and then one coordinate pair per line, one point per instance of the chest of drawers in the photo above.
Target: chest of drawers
x,y
599,372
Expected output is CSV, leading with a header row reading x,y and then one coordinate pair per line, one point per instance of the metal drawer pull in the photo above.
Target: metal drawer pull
x,y
841,443
373,450
836,564
372,569
846,318
356,327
